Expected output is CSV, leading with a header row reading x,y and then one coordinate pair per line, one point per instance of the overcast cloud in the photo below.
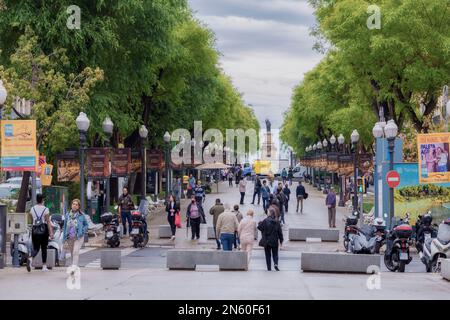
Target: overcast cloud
x,y
266,48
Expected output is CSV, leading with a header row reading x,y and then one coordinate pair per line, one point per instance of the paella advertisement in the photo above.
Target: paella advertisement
x,y
433,151
68,167
98,162
120,162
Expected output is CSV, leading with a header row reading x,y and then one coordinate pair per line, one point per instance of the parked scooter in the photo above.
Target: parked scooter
x,y
111,228
24,246
139,232
350,230
57,242
425,230
434,250
398,240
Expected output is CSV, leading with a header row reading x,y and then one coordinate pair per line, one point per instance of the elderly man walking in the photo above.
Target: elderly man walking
x,y
216,210
331,205
227,225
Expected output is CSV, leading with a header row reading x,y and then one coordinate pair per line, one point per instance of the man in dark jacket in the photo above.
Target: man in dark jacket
x,y
281,203
257,191
287,193
330,202
300,192
271,238
215,211
199,192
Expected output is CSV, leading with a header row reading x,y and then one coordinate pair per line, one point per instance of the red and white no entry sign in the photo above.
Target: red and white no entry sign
x,y
393,179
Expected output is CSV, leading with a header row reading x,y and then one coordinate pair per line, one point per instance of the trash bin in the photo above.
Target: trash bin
x,y
95,210
57,199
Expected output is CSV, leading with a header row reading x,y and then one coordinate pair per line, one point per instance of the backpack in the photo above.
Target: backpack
x,y
39,228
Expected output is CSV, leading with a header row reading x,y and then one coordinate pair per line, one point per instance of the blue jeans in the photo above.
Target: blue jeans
x,y
265,204
126,216
442,168
227,240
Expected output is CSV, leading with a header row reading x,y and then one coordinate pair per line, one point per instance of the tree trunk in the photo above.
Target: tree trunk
x,y
23,194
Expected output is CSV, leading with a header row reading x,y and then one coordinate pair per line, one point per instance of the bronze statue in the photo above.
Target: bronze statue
x,y
268,125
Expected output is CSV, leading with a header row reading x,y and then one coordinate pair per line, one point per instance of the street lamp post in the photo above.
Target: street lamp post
x,y
314,148
354,139
333,149
391,131
108,127
143,133
167,157
325,178
319,148
341,141
83,126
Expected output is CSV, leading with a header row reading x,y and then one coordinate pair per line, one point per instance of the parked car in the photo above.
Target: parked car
x,y
11,187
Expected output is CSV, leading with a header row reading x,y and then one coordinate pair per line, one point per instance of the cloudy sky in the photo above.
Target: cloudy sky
x,y
266,48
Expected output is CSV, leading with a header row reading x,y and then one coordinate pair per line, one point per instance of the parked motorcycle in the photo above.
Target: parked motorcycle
x,y
57,242
424,230
350,230
24,246
139,232
398,240
111,228
434,250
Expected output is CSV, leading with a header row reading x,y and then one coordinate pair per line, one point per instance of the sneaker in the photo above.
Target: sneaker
x,y
29,261
173,238
276,268
44,268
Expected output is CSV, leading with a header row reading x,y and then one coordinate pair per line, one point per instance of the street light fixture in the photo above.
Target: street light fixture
x,y
354,138
341,141
167,157
143,133
108,127
83,126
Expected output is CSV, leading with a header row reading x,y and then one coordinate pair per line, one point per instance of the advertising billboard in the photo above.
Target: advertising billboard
x,y
433,151
18,145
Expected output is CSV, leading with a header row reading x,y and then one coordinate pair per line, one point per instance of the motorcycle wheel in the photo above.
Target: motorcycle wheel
x,y
135,243
144,244
401,266
116,244
377,247
346,244
389,263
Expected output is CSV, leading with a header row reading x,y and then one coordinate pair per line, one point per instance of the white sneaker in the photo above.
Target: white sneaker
x,y
173,238
44,268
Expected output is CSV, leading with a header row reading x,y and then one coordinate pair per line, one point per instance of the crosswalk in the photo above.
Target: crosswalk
x,y
96,264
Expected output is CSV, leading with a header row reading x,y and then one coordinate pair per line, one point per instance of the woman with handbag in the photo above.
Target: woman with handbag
x,y
194,214
75,227
40,232
172,210
271,238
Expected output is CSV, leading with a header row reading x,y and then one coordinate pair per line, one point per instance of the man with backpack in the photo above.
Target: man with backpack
x,y
41,231
265,193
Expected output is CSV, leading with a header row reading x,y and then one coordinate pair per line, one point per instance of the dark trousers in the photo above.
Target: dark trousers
x,y
286,205
126,216
256,192
217,238
230,182
265,204
268,251
171,220
237,242
40,242
195,227
242,197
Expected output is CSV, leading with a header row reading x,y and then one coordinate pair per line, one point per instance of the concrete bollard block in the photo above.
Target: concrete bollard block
x,y
37,261
301,234
164,231
111,259
339,262
445,269
211,234
189,259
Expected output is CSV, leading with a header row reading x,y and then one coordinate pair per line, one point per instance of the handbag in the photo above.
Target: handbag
x,y
39,228
306,196
177,220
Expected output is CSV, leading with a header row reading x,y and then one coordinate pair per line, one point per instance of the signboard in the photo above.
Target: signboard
x,y
42,161
155,159
18,145
68,166
136,162
365,163
393,179
345,164
46,176
98,162
433,153
120,162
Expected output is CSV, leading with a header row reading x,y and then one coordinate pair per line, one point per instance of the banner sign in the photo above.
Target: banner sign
x,y
98,162
433,151
365,163
155,159
18,145
120,162
46,176
68,166
136,162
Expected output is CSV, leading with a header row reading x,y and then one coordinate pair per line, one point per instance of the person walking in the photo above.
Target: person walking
x,y
172,210
191,185
247,233
284,175
290,175
257,190
265,193
301,193
194,214
274,206
230,178
287,193
227,225
239,216
281,203
330,202
40,232
75,227
242,187
125,206
177,189
215,211
271,239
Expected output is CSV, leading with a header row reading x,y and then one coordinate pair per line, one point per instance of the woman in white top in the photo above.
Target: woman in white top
x,y
442,160
42,229
247,233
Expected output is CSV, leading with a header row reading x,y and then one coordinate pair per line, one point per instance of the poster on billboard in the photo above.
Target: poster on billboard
x,y
433,151
18,145
68,167
98,162
120,162
136,161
